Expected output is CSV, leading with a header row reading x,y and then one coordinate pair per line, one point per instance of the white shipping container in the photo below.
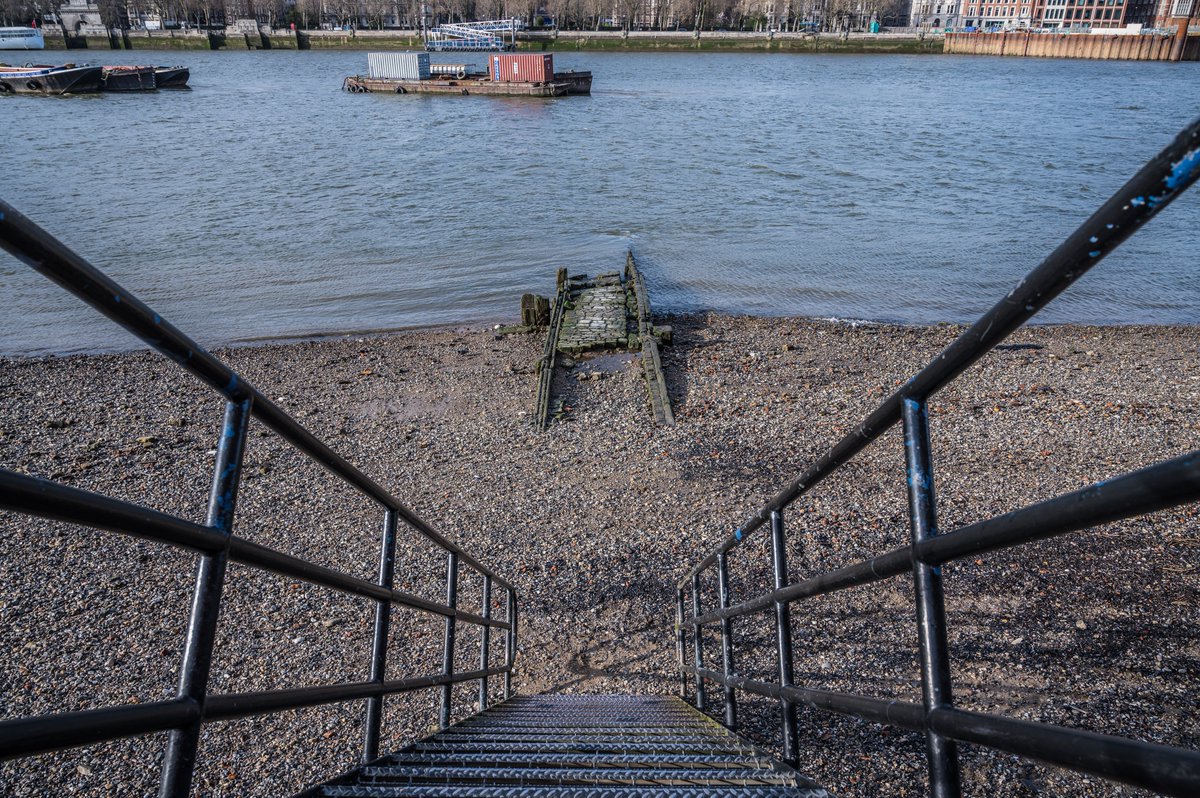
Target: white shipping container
x,y
398,66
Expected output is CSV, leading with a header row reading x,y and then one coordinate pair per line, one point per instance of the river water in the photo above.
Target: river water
x,y
265,202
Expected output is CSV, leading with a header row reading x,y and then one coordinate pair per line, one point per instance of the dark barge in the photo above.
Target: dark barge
x,y
128,78
144,78
175,77
44,79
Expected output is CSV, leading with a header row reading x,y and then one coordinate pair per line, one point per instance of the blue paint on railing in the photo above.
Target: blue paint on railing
x,y
1182,171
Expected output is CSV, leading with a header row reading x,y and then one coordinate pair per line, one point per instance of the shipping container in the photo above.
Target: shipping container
x,y
536,68
398,66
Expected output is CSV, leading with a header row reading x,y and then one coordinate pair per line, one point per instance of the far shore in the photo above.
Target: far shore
x,y
552,41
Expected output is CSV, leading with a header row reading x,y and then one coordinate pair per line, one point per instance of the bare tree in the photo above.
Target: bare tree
x,y
563,12
16,12
308,10
113,14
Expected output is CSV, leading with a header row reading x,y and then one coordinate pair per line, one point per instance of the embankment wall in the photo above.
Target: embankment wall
x,y
734,42
1048,45
560,41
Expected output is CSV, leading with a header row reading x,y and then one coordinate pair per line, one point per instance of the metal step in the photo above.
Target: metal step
x,y
707,747
595,746
475,791
571,760
507,774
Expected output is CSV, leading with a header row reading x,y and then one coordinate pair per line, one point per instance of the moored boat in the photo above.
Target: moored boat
x,y
128,78
175,77
21,39
44,79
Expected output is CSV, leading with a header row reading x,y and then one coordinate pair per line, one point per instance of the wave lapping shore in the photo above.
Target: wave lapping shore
x,y
595,521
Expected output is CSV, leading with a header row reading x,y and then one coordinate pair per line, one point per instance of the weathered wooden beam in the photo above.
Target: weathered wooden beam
x,y
549,352
656,381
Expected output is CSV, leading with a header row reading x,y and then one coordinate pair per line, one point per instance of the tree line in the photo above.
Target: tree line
x,y
732,15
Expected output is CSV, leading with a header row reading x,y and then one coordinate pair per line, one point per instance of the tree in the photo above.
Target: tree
x,y
307,10
113,14
17,12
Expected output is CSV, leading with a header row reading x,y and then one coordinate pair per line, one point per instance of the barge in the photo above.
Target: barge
x,y
173,77
524,75
144,78
128,78
72,79
51,80
442,84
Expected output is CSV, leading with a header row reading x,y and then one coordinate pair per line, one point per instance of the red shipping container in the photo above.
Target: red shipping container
x,y
528,67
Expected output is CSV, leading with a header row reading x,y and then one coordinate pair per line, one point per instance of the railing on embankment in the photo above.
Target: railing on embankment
x,y
1166,769
215,545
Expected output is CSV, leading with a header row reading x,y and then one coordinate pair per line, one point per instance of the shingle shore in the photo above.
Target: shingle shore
x,y
595,521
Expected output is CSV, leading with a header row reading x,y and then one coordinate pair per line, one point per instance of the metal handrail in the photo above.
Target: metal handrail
x,y
216,546
34,496
1172,770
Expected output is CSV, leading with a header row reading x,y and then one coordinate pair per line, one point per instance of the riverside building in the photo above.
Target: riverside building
x,y
1084,14
1075,14
936,14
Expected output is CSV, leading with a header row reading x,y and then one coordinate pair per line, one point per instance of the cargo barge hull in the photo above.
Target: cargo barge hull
x,y
577,82
466,86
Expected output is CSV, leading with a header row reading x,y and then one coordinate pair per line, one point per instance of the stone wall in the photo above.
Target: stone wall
x,y
168,40
130,40
732,41
283,39
360,40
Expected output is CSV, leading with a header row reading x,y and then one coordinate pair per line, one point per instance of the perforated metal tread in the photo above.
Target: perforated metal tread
x,y
595,746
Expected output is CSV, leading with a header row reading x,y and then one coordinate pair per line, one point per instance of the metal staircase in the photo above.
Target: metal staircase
x,y
566,745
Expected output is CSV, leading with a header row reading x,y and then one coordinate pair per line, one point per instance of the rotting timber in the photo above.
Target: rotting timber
x,y
610,312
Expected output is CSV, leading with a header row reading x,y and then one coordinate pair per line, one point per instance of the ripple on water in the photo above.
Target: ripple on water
x,y
267,202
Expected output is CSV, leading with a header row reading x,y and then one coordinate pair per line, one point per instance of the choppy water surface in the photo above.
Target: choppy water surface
x,y
265,202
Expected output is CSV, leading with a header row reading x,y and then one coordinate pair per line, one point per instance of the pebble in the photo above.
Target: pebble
x,y
595,521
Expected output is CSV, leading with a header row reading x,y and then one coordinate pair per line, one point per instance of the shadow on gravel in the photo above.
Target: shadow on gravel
x,y
583,662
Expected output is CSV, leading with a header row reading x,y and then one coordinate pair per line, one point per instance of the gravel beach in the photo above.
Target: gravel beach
x,y
595,521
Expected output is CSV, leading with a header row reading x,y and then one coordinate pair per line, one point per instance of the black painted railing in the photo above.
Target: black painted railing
x,y
216,546
1170,770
